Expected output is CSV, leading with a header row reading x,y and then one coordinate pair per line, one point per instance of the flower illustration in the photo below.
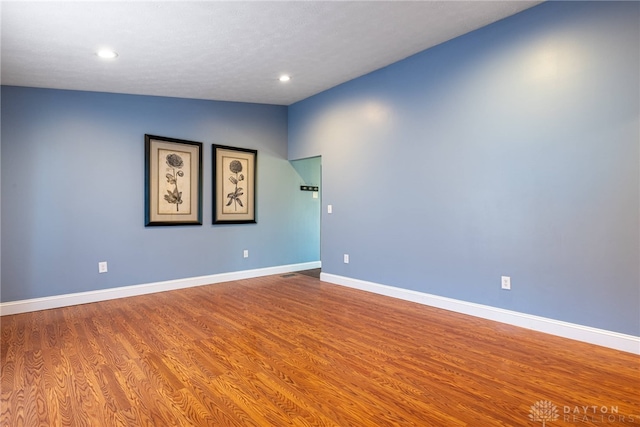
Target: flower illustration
x,y
174,160
174,196
236,167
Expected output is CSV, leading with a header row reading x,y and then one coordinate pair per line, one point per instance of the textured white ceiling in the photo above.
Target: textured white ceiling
x,y
231,51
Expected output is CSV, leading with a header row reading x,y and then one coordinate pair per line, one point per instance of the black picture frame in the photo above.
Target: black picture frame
x,y
234,185
173,181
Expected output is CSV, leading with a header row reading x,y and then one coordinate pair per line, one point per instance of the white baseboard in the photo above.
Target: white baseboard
x,y
615,340
45,303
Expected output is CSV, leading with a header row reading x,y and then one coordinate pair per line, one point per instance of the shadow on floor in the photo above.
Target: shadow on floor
x,y
312,273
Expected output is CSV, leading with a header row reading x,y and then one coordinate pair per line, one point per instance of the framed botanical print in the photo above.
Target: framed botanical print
x,y
234,185
173,181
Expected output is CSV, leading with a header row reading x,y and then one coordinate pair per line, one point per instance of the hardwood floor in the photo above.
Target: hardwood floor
x,y
293,351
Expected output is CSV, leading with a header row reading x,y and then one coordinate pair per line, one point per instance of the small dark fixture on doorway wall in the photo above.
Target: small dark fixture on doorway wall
x,y
308,188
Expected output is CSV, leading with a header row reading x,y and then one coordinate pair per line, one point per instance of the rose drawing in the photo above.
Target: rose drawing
x,y
174,196
234,197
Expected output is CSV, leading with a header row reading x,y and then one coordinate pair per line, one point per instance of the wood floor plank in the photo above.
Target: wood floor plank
x,y
294,351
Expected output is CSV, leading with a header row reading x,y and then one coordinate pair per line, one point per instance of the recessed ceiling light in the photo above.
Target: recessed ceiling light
x,y
285,78
107,54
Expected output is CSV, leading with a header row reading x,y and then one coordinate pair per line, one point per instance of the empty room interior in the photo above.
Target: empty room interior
x,y
319,213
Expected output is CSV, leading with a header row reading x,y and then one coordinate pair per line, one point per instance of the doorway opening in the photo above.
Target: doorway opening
x,y
309,204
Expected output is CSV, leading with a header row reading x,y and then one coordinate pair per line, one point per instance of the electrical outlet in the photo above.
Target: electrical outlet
x,y
346,258
102,267
245,253
506,282
329,209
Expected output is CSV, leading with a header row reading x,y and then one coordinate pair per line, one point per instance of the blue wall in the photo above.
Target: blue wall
x,y
513,150
73,192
